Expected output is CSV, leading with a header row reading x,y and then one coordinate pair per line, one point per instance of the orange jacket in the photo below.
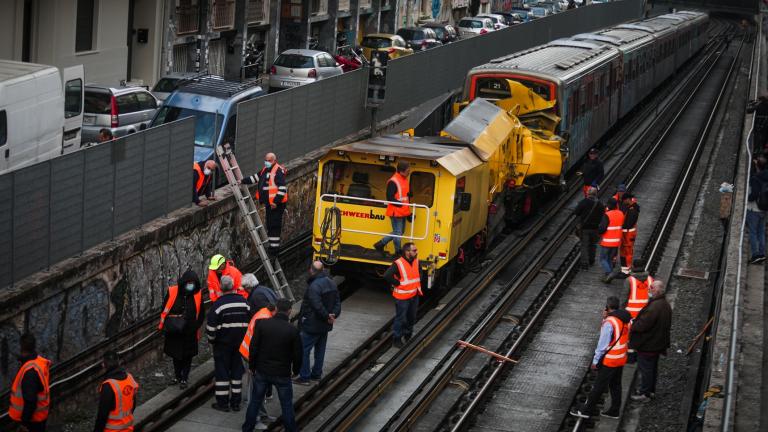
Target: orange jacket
x,y
612,235
121,418
245,346
638,295
214,284
403,189
42,366
410,280
617,355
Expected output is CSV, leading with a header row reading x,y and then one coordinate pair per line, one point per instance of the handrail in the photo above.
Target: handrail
x,y
413,207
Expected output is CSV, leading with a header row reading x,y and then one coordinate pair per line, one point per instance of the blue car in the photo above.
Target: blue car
x,y
213,102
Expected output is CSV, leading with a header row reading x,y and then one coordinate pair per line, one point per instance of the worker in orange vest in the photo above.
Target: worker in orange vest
x,y
30,392
182,316
631,211
404,276
398,191
609,360
610,231
272,193
202,181
620,190
218,267
637,284
117,397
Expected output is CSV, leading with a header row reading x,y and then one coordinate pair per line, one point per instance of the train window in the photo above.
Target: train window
x,y
498,88
357,182
461,184
423,188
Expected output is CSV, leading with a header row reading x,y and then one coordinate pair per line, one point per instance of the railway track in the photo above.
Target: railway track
x,y
320,397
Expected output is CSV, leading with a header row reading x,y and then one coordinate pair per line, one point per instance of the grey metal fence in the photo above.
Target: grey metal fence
x,y
56,209
296,121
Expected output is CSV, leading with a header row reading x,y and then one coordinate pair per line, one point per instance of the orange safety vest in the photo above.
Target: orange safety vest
x,y
617,197
410,280
173,292
214,284
638,295
202,179
121,418
617,356
271,186
245,346
403,188
612,235
42,366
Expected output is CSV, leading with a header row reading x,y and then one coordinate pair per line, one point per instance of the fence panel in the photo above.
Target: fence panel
x,y
297,126
6,230
179,187
32,200
98,194
128,157
154,199
67,181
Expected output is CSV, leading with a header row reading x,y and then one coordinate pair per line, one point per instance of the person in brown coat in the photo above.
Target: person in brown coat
x,y
649,336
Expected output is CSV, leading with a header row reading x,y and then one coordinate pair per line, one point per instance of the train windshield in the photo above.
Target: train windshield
x,y
495,88
363,182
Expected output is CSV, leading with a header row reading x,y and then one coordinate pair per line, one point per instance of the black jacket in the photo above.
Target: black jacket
x,y
30,387
276,347
261,297
228,320
261,179
185,345
631,215
650,330
589,211
757,181
592,171
207,189
320,300
107,399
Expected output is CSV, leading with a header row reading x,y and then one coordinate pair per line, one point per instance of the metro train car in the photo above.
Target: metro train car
x,y
595,80
525,120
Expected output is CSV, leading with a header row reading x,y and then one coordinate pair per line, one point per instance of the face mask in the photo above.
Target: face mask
x,y
207,172
650,294
189,287
268,164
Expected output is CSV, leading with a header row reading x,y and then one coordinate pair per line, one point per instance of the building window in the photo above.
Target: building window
x,y
85,27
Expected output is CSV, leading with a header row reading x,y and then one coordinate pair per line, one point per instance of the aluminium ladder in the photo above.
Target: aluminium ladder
x,y
252,219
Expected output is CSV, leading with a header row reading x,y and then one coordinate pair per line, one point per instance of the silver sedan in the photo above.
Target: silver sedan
x,y
297,67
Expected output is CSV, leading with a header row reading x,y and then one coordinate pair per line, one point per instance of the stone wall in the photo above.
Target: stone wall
x,y
87,299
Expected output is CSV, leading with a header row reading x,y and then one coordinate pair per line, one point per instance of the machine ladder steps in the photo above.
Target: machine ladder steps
x,y
252,220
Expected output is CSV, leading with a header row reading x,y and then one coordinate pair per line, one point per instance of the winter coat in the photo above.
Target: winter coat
x,y
590,212
650,330
276,347
185,345
592,170
320,299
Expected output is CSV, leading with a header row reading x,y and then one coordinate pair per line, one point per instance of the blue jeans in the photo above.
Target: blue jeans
x,y
405,316
398,228
607,254
756,225
284,393
310,341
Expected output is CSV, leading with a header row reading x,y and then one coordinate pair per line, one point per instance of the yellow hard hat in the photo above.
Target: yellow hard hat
x,y
216,262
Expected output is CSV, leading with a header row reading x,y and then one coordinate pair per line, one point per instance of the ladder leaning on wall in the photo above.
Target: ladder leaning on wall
x,y
253,222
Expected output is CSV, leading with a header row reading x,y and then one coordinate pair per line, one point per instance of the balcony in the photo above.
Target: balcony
x,y
256,12
187,17
223,14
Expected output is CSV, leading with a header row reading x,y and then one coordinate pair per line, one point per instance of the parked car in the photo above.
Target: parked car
x,y
392,44
419,38
167,84
296,67
499,22
538,12
523,12
213,102
41,112
475,26
122,110
510,18
445,33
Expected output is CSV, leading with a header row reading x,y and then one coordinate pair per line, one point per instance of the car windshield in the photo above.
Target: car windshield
x,y
439,32
493,19
166,85
97,102
294,61
471,24
207,125
376,42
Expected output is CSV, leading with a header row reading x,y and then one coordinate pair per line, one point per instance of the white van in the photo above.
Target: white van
x,y
41,112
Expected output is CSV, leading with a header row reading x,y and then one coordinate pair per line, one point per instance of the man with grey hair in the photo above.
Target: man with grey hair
x,y
649,336
589,213
228,320
319,310
259,296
